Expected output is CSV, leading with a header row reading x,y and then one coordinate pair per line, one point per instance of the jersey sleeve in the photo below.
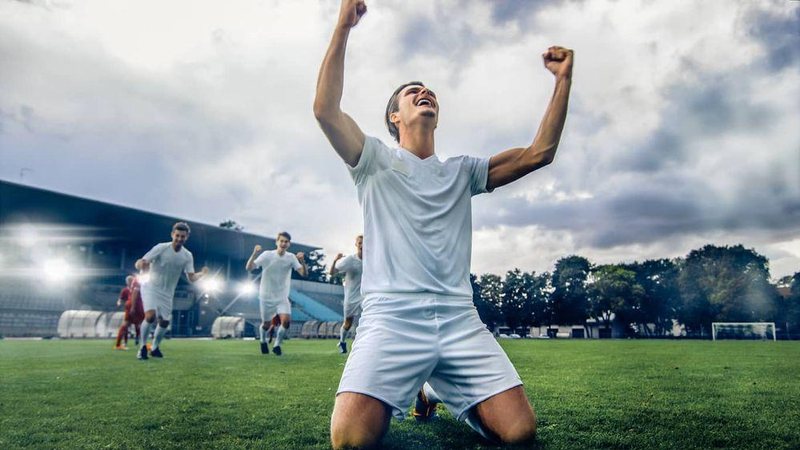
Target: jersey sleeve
x,y
345,264
124,294
260,259
296,263
478,170
189,267
375,156
154,252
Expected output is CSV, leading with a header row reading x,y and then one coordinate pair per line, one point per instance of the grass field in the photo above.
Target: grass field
x,y
224,394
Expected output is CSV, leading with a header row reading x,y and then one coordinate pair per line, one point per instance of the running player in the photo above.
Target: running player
x,y
134,312
164,264
418,321
273,294
125,301
350,266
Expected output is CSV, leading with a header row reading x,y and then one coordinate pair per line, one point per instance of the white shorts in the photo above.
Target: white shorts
x,y
161,304
271,307
406,340
352,308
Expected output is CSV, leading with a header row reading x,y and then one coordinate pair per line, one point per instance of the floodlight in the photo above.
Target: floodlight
x,y
211,285
246,288
56,270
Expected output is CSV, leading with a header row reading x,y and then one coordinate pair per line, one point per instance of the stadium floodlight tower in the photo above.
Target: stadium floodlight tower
x,y
743,330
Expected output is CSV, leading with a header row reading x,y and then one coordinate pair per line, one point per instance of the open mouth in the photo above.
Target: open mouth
x,y
425,102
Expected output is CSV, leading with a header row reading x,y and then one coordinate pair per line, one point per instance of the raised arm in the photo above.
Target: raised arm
x,y
250,265
197,276
515,163
303,270
341,130
334,270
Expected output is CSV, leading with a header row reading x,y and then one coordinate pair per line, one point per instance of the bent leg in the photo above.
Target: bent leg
x,y
507,417
358,421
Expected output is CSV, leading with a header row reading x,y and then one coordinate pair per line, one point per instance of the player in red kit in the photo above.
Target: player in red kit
x,y
134,311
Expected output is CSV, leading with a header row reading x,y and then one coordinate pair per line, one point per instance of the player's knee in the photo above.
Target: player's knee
x,y
163,323
347,434
519,432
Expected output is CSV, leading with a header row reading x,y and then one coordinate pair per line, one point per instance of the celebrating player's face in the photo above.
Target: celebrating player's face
x,y
179,238
283,243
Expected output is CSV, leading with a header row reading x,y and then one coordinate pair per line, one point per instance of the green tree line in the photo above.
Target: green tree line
x,y
710,284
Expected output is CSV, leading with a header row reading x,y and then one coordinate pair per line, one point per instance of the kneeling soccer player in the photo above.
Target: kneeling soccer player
x,y
418,321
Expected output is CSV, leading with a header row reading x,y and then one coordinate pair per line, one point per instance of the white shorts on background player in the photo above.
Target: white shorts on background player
x,y
351,267
166,267
269,309
418,321
407,339
276,277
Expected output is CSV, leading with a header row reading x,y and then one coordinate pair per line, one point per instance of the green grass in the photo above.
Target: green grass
x,y
224,394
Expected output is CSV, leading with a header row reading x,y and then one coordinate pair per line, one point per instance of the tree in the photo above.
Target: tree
x,y
231,225
661,298
515,305
488,299
315,264
725,284
539,292
789,311
614,290
569,300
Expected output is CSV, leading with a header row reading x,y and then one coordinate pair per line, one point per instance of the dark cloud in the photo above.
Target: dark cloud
x,y
712,106
423,35
779,35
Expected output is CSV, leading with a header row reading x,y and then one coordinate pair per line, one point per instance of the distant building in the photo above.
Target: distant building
x,y
61,252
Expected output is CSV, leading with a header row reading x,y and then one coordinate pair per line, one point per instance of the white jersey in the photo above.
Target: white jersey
x,y
417,219
350,266
166,267
276,274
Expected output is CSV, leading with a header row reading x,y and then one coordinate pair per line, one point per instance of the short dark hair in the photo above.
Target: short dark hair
x,y
181,226
286,235
392,106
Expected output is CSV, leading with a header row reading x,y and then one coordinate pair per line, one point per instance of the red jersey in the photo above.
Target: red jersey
x,y
134,308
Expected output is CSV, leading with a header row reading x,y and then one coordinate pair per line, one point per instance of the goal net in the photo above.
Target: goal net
x,y
743,330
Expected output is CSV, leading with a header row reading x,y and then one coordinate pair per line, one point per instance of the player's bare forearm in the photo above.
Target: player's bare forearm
x,y
334,270
515,163
250,265
341,130
197,276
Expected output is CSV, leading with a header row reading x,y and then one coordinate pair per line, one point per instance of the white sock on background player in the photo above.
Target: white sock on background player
x,y
342,334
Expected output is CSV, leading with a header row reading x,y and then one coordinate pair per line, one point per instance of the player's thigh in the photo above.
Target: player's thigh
x,y
508,415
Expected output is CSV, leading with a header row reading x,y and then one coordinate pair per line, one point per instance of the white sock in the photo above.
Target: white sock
x,y
160,332
433,397
342,334
279,338
146,326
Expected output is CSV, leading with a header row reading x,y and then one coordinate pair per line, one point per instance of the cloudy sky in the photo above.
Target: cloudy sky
x,y
683,129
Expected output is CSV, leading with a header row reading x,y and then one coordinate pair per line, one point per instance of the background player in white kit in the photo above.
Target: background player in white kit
x,y
273,294
164,264
418,322
350,266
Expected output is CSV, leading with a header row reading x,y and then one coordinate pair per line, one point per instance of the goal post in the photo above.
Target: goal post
x,y
743,330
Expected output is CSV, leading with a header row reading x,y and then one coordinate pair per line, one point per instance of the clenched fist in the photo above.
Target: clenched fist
x,y
351,12
558,60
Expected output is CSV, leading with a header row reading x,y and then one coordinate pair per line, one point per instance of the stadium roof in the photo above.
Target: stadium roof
x,y
20,205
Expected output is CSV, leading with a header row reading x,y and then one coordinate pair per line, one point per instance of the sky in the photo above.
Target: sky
x,y
682,127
